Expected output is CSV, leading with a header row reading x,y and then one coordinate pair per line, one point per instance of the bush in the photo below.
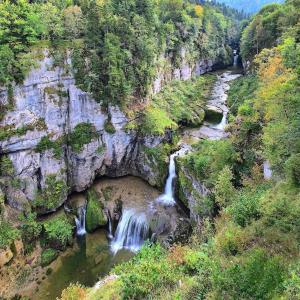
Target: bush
x,y
109,127
7,234
75,291
146,273
6,166
246,205
156,121
82,134
293,168
94,212
48,256
58,232
30,228
46,144
256,276
52,196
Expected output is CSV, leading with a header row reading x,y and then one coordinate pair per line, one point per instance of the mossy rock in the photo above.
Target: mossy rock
x,y
48,256
95,216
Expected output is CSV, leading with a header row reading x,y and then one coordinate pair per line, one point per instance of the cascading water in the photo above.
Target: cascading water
x,y
132,231
235,58
80,220
167,198
222,124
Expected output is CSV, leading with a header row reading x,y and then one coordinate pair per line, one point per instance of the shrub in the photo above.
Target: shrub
x,y
52,196
6,166
293,168
246,205
48,256
94,212
109,127
58,232
74,291
30,228
82,134
7,234
256,276
46,144
224,189
147,272
156,121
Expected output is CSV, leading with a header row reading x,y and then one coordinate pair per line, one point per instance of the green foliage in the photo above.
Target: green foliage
x,y
82,134
109,127
8,131
7,234
146,273
245,206
94,212
58,232
156,121
267,26
241,90
210,158
258,276
159,157
53,194
48,256
30,227
6,166
224,189
46,144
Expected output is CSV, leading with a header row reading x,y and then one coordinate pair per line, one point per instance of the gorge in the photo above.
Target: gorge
x,y
149,150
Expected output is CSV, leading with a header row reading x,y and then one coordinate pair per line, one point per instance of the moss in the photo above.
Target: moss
x,y
82,134
48,256
94,212
158,157
109,127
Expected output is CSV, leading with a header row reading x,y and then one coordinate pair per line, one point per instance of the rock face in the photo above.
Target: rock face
x,y
49,104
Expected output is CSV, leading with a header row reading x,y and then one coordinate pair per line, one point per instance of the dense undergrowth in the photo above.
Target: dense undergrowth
x,y
248,248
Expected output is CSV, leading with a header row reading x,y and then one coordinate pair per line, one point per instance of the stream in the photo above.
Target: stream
x,y
144,210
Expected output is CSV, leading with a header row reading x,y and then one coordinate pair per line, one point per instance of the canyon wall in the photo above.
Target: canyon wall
x,y
48,103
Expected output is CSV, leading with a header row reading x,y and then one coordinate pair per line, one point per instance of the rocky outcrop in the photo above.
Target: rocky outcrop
x,y
48,103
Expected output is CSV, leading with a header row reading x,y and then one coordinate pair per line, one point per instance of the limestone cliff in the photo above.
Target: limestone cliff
x,y
48,104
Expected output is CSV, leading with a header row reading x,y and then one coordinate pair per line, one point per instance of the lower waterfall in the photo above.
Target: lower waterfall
x,y
80,220
132,231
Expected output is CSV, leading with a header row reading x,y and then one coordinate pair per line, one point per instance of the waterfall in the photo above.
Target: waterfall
x,y
167,198
80,220
131,232
222,124
235,58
